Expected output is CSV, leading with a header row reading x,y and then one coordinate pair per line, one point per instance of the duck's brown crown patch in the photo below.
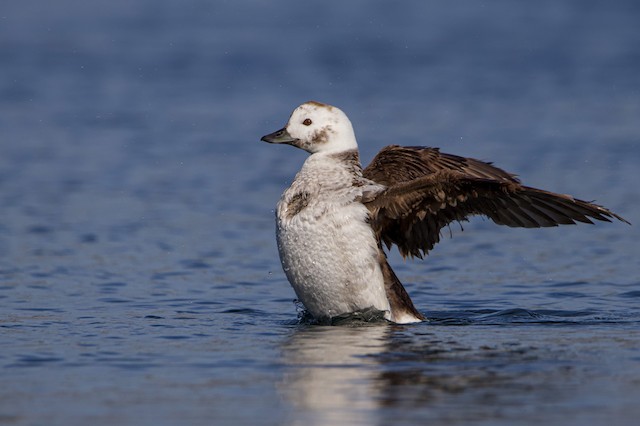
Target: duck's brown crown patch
x,y
320,104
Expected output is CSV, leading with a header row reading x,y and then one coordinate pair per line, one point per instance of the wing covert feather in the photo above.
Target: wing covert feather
x,y
427,190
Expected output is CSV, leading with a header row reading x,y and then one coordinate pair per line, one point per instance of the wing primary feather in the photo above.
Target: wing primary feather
x,y
428,190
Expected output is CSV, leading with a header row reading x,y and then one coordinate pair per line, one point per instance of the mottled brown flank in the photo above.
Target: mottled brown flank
x,y
399,299
351,159
298,203
320,104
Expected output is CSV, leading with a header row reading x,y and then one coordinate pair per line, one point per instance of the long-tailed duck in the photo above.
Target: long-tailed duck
x,y
333,219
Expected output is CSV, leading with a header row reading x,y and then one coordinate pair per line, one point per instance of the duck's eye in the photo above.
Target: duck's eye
x,y
307,122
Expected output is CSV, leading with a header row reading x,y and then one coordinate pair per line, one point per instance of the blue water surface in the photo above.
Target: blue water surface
x,y
139,276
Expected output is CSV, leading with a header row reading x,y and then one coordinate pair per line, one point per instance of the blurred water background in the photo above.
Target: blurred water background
x,y
139,277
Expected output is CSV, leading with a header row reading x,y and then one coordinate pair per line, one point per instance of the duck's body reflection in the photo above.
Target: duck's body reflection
x,y
373,374
333,374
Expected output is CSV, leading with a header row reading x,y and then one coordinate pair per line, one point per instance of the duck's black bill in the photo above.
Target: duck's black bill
x,y
279,136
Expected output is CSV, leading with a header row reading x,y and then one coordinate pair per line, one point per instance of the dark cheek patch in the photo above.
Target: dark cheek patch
x,y
321,136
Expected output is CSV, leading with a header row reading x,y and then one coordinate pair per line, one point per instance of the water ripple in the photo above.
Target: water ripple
x,y
525,316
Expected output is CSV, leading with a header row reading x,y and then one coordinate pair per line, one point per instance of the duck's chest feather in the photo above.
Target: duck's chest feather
x,y
327,247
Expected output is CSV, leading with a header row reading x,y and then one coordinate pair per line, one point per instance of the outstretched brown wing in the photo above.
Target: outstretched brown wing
x,y
396,164
422,199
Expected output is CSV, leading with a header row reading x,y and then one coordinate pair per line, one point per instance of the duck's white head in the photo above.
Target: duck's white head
x,y
316,127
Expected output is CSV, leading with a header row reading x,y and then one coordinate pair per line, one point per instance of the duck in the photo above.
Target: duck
x,y
336,218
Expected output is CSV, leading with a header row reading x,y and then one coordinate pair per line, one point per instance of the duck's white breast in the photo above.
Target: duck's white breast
x,y
328,249
331,260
